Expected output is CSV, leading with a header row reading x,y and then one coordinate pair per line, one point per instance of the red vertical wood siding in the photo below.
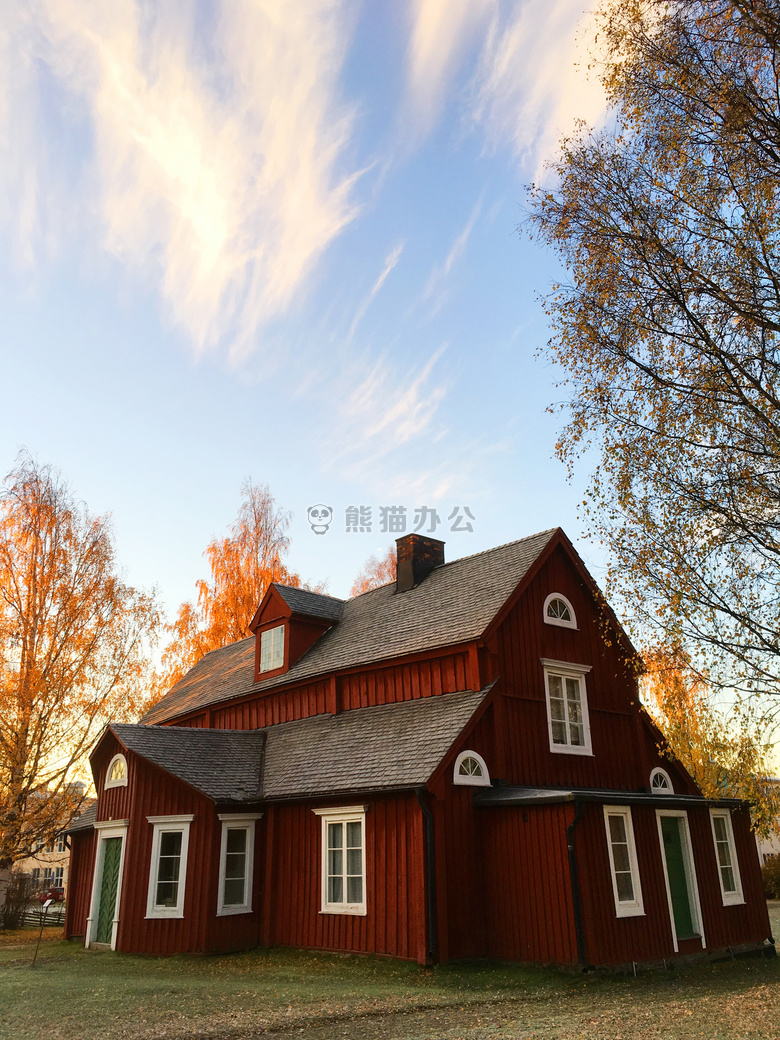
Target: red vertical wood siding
x,y
529,908
426,677
619,940
729,925
519,645
395,920
82,858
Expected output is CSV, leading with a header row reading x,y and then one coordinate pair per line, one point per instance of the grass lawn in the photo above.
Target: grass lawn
x,y
76,993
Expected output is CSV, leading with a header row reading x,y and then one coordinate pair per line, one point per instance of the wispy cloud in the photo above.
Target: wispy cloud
x,y
382,418
218,161
532,83
390,263
441,33
435,287
526,61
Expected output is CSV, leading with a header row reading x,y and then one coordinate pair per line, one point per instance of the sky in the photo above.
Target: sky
x,y
277,240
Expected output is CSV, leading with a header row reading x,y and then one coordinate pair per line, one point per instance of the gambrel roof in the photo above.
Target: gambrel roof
x,y
454,604
387,747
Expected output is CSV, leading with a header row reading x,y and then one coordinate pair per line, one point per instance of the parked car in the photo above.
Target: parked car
x,y
56,894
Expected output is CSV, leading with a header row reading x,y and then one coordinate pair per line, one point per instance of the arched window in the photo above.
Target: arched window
x,y
470,770
558,611
660,782
116,774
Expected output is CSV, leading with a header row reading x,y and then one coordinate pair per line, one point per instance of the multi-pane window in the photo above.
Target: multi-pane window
x,y
660,782
59,845
726,852
168,867
567,708
344,861
626,886
272,649
168,870
56,878
116,774
36,877
558,611
236,864
471,770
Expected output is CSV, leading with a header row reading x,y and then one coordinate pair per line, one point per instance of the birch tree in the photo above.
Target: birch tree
x,y
666,324
73,651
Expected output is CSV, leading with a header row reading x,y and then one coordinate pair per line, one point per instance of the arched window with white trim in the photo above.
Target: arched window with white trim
x,y
471,770
116,774
661,782
559,611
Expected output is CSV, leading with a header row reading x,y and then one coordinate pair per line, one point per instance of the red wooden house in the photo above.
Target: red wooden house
x,y
453,765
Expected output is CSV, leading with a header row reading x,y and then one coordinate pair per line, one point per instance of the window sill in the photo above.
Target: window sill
x,y
353,911
233,911
568,749
161,915
630,911
733,900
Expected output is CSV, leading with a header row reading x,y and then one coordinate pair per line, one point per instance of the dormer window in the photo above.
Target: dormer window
x,y
558,611
116,774
470,770
272,649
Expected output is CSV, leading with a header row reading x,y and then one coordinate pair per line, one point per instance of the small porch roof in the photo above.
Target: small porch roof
x,y
531,796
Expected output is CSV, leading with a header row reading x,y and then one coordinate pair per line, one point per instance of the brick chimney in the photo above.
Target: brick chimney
x,y
416,556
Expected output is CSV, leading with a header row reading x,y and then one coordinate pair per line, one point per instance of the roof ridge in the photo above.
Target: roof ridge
x,y
462,559
310,592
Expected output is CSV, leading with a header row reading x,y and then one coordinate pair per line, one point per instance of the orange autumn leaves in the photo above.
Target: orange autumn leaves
x,y
242,564
74,641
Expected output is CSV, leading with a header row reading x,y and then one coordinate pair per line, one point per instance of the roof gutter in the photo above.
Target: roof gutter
x,y
430,895
579,807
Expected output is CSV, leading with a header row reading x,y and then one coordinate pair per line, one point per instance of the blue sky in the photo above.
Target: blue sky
x,y
278,240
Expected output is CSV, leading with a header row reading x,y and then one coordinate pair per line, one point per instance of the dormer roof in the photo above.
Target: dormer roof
x,y
310,604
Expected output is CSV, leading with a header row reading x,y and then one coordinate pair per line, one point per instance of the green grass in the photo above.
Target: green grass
x,y
76,993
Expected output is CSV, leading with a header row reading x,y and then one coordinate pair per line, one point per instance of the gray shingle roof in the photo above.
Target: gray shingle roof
x,y
223,764
387,747
311,604
454,604
366,749
85,821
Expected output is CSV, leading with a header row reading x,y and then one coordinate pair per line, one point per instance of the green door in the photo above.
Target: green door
x,y
678,881
112,852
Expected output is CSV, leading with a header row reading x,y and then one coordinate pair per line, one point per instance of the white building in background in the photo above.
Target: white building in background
x,y
769,846
48,865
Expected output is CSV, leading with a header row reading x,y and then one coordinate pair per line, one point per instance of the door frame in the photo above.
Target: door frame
x,y
690,874
106,829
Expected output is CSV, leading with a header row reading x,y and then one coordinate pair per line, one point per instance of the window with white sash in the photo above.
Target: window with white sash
x,y
726,855
272,649
343,860
626,885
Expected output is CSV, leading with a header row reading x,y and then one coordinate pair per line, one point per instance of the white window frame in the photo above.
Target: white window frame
x,y
690,875
270,633
729,898
625,908
106,829
237,822
59,843
166,825
122,781
568,670
341,814
559,621
661,790
471,781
